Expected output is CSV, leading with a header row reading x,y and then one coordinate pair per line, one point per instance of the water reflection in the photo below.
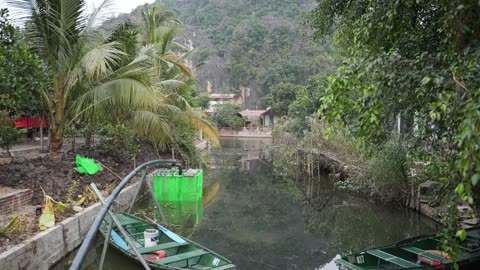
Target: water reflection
x,y
267,217
185,215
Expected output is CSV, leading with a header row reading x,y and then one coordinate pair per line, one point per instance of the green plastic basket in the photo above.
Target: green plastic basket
x,y
169,186
179,195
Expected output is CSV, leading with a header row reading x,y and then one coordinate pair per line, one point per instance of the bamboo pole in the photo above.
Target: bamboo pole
x,y
121,229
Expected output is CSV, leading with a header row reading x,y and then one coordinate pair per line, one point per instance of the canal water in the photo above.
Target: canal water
x,y
262,218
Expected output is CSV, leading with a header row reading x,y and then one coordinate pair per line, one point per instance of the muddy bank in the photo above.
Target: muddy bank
x,y
57,177
61,181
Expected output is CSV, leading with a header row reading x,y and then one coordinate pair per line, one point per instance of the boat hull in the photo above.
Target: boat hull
x,y
415,253
181,253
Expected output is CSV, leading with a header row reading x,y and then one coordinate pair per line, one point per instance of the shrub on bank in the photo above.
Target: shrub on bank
x,y
388,171
379,172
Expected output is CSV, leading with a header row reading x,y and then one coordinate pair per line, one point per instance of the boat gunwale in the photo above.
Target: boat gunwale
x,y
157,265
97,222
409,242
102,213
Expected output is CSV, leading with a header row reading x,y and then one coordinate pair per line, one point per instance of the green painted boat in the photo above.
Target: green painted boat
x,y
180,253
415,253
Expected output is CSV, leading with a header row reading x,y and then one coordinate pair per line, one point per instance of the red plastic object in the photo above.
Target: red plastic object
x,y
30,122
160,255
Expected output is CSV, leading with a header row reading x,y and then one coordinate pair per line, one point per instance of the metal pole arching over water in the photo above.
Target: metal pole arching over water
x,y
82,252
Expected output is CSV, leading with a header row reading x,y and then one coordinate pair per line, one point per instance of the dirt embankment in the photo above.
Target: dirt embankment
x,y
61,181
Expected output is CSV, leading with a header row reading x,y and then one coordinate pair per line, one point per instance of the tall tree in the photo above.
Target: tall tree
x,y
151,114
417,60
281,96
21,73
62,33
159,33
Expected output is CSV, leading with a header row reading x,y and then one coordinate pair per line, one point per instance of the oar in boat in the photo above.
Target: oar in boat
x,y
120,228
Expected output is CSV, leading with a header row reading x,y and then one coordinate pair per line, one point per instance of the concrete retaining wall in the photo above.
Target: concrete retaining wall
x,y
46,248
248,133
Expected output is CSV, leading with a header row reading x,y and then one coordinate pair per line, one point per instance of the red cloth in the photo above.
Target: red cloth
x,y
30,122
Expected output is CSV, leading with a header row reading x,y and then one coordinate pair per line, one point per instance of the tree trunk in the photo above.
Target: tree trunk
x,y
73,143
56,132
41,130
57,107
56,142
89,137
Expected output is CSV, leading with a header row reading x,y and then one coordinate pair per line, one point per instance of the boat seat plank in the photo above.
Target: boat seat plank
x,y
168,245
349,264
137,234
125,220
125,223
391,258
182,256
425,254
473,239
474,234
200,267
223,267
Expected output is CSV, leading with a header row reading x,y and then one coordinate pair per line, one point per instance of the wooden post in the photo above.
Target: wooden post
x,y
318,168
308,166
418,199
41,130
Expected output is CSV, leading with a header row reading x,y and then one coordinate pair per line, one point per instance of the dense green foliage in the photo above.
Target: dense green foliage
x,y
400,58
118,142
7,30
417,60
305,103
21,74
297,102
221,19
135,79
388,170
9,134
260,40
281,95
198,98
228,115
186,146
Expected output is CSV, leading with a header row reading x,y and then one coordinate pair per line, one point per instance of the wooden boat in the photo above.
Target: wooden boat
x,y
415,253
144,241
170,251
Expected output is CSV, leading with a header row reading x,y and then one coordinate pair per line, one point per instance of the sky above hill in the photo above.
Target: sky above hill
x,y
119,6
122,6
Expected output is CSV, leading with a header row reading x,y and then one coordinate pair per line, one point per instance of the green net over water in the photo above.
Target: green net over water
x,y
179,195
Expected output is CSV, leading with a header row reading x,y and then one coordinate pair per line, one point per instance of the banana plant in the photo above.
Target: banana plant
x,y
11,227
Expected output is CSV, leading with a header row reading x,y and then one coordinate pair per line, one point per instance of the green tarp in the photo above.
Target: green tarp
x,y
87,165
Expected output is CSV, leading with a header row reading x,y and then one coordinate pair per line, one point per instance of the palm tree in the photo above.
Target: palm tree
x,y
151,113
99,76
159,31
61,32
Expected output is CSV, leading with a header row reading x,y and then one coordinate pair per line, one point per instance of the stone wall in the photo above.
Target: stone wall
x,y
15,200
48,247
247,132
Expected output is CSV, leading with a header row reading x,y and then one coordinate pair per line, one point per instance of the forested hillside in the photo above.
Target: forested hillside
x,y
248,46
